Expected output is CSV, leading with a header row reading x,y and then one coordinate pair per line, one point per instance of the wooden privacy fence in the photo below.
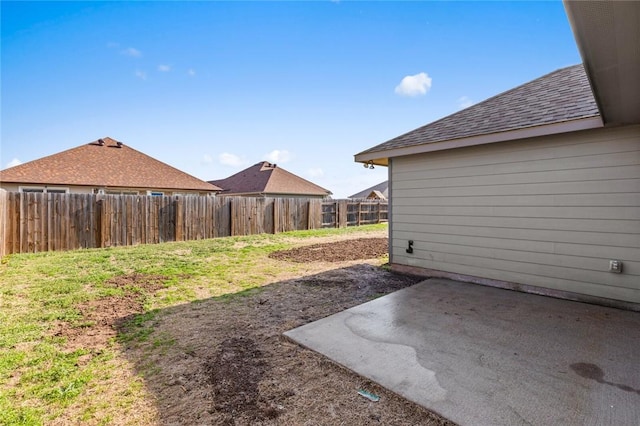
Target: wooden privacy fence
x,y
35,222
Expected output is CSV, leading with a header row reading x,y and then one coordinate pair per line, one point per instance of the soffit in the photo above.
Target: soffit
x,y
608,37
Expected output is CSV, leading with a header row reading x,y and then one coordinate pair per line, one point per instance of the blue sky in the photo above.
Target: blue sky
x,y
213,87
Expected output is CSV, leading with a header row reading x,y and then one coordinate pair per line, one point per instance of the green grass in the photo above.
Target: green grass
x,y
39,378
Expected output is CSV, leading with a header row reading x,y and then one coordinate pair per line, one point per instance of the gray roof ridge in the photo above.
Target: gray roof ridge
x,y
377,186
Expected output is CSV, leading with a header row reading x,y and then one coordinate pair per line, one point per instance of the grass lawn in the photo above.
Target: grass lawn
x,y
41,376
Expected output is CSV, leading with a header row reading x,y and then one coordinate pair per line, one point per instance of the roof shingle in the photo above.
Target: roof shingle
x,y
382,187
267,178
103,164
560,96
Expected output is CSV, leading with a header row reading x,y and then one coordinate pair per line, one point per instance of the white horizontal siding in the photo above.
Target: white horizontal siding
x,y
555,188
594,173
547,271
515,152
528,234
589,225
600,212
548,212
597,251
622,199
595,264
536,279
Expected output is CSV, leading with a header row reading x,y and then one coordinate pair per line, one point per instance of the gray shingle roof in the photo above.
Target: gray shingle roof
x,y
560,96
383,187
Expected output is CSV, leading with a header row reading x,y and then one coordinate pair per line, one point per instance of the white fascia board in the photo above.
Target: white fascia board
x,y
381,157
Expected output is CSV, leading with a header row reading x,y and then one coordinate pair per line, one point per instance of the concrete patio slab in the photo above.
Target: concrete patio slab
x,y
486,356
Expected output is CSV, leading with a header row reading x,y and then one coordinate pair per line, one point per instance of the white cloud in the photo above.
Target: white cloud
x,y
164,68
465,102
141,74
207,159
131,51
315,172
14,162
191,72
232,160
414,85
277,156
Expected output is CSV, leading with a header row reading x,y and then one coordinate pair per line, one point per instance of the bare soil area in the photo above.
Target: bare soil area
x,y
101,318
224,360
338,251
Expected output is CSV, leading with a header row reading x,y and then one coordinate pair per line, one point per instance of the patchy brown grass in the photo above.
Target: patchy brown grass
x,y
223,360
102,317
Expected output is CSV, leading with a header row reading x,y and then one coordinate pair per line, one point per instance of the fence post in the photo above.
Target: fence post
x,y
276,215
98,219
105,225
343,213
24,240
179,219
232,212
3,221
315,214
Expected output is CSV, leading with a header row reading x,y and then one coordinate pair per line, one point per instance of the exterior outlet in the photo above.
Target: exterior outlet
x,y
615,266
409,247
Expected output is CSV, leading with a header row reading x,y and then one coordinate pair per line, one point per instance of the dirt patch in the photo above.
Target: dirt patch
x,y
235,374
339,251
101,318
138,282
230,364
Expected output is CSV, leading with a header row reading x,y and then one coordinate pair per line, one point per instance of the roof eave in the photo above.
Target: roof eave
x,y
381,158
607,34
102,185
308,194
274,194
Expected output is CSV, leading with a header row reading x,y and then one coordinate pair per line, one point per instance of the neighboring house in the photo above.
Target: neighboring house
x,y
376,192
537,188
265,179
105,166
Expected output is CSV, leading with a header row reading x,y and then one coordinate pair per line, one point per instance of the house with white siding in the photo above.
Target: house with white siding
x,y
538,188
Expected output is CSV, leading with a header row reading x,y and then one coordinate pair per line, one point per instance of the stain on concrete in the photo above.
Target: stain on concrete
x,y
593,372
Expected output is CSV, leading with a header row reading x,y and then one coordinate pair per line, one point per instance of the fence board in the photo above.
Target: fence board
x,y
223,217
105,216
24,240
70,240
17,224
76,235
4,237
54,212
10,223
343,214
